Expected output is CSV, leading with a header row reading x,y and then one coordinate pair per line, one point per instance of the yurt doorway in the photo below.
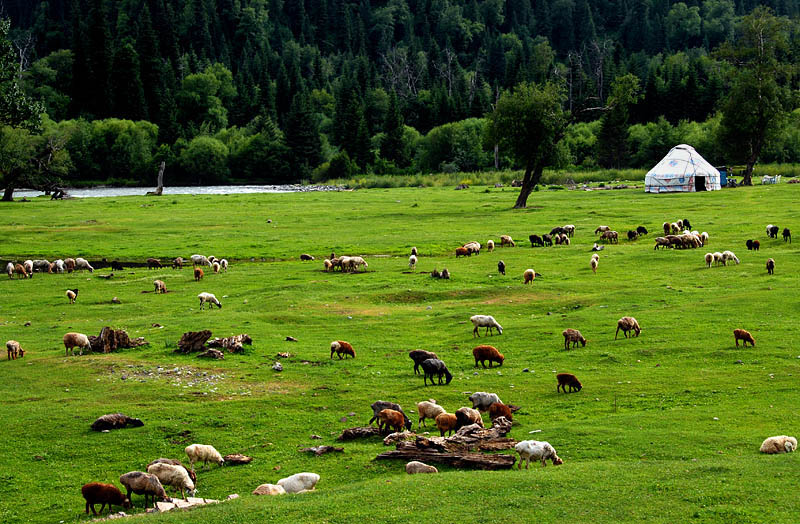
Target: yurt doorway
x,y
699,183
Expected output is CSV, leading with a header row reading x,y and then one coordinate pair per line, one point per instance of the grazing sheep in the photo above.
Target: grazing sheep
x,y
627,324
340,347
704,238
389,418
115,421
380,405
210,299
206,453
42,266
728,255
160,286
756,245
72,295
744,336
709,258
428,409
501,267
779,444
14,350
414,251
486,321
175,476
28,265
687,224
99,493
490,245
306,256
446,423
536,240
749,244
498,409
115,266
445,274
675,228
224,265
573,336
412,262
434,366
594,263
770,266
718,258
143,484
198,274
558,230
547,240
484,353
528,276
601,229
595,256
772,231
328,265
10,269
463,252
177,263
568,379
557,239
532,449
662,242
212,258
610,237
415,466
565,240
569,229
787,235
506,240
641,230
69,263
473,247
667,228
215,266
82,264
468,416
153,263
356,262
632,235
200,260
419,356
482,400
174,462
299,482
72,340
21,272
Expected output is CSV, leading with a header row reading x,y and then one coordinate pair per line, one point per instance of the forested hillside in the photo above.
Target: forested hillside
x,y
270,90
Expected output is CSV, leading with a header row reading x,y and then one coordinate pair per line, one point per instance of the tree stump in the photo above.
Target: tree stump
x,y
111,339
193,341
360,432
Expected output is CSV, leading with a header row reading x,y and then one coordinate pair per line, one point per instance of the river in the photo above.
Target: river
x,y
103,191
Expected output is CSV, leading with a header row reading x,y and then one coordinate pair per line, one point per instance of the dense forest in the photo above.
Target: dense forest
x,y
289,90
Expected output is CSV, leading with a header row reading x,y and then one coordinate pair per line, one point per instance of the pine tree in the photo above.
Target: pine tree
x,y
128,95
99,99
302,137
393,145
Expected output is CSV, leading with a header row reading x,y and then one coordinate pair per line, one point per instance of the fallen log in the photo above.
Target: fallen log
x,y
193,341
359,432
459,460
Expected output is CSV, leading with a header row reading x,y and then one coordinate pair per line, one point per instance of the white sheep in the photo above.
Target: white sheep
x,y
72,294
28,265
356,262
82,263
779,444
200,260
528,275
419,467
728,256
473,247
215,265
160,286
224,264
73,340
60,266
709,258
486,321
412,261
10,269
299,482
482,400
594,263
210,298
704,237
718,259
175,476
198,452
212,258
536,450
490,245
570,229
428,409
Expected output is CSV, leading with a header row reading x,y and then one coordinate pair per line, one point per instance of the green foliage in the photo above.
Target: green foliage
x,y
205,160
612,138
458,144
16,108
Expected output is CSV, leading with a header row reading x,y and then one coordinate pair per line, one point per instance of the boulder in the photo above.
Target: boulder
x,y
419,467
269,489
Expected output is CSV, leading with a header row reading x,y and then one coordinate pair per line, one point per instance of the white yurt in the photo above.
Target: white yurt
x,y
683,169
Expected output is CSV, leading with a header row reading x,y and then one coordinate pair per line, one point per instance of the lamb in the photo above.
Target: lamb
x,y
498,409
468,416
299,482
601,229
446,423
573,336
709,258
594,263
200,260
627,324
490,245
728,255
215,266
787,235
175,476
99,493
501,267
198,274
174,462
224,265
380,405
463,252
414,251
69,263
434,366
82,264
10,269
744,336
419,467
641,230
428,409
177,263
14,350
206,453
528,276
419,356
340,347
770,266
490,353
486,321
536,450
210,298
412,262
390,418
160,286
72,295
482,401
154,263
143,484
72,340
568,379
536,240
772,231
779,444
21,272
506,240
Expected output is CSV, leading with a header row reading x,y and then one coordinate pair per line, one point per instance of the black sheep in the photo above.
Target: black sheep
x,y
536,240
116,421
641,230
632,235
501,267
434,366
787,235
380,405
548,240
749,244
116,266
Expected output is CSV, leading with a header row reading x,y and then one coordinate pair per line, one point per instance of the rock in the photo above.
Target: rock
x,y
165,506
394,438
526,370
212,353
156,325
277,366
115,421
291,339
232,496
193,341
269,489
237,459
299,482
416,466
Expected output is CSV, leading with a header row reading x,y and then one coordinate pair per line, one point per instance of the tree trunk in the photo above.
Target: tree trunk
x,y
160,188
532,177
193,341
359,432
8,194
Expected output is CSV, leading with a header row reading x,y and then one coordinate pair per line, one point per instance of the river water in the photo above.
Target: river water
x,y
179,190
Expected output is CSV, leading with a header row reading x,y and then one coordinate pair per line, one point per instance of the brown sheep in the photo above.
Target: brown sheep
x,y
498,409
528,276
627,324
390,418
14,350
506,240
467,416
446,423
99,493
72,295
153,263
463,252
770,266
160,286
69,263
73,340
667,228
744,336
568,379
610,236
340,347
574,336
19,269
198,274
490,353
177,263
419,356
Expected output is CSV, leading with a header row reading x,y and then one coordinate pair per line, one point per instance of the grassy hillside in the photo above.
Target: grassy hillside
x,y
667,427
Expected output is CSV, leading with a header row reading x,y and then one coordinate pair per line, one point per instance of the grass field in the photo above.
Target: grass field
x,y
666,428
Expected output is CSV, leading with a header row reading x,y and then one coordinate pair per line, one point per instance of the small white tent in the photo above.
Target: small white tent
x,y
683,169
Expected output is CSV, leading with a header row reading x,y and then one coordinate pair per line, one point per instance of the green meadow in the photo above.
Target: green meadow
x,y
666,429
